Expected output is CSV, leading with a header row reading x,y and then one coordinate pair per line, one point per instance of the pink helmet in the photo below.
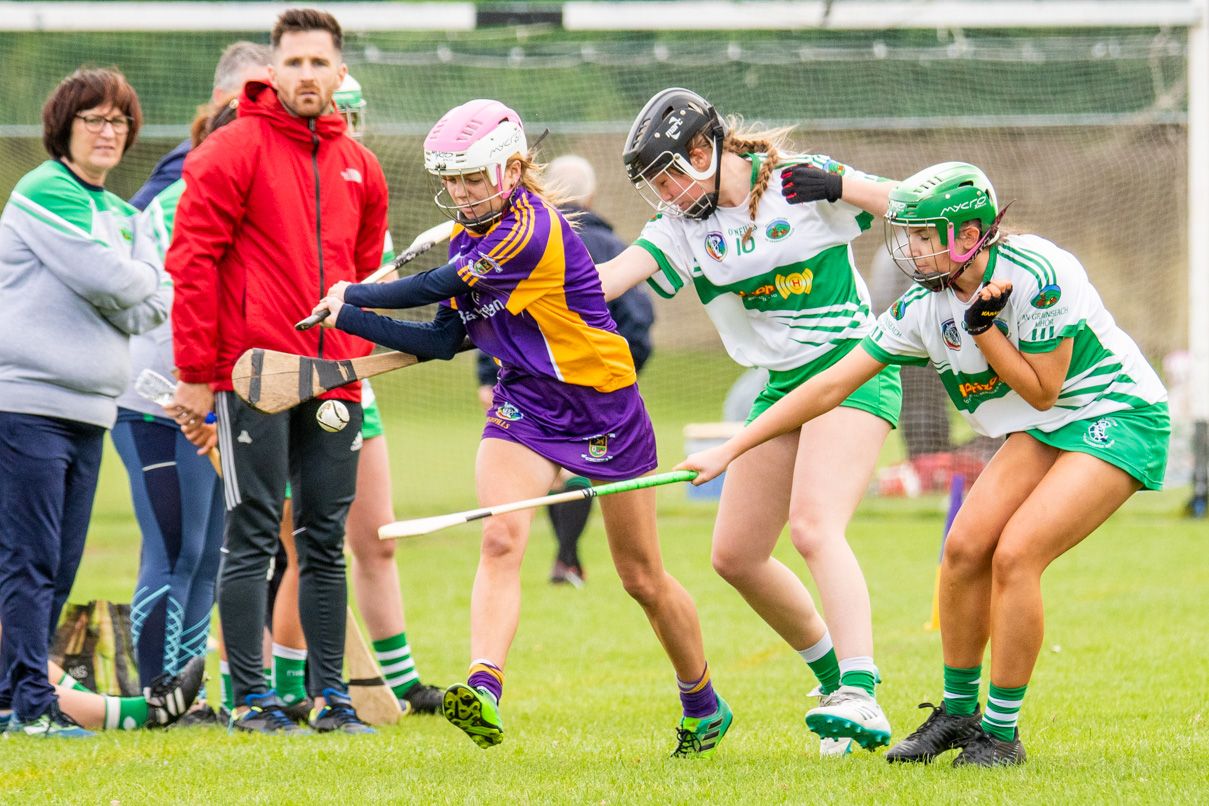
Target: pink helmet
x,y
473,137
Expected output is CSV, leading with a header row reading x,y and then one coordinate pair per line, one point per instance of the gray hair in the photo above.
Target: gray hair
x,y
234,60
573,178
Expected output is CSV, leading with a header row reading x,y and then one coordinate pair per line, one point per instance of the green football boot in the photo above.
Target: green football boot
x,y
475,713
699,737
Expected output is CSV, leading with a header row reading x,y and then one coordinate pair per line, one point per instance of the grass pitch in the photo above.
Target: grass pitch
x,y
1116,712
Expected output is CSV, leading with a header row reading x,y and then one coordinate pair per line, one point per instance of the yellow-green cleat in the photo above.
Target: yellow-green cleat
x,y
475,713
699,737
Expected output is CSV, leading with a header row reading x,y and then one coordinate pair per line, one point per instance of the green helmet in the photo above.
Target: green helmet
x,y
349,103
944,196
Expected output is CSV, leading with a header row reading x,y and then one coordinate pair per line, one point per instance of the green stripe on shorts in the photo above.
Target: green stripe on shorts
x,y
371,425
1135,440
881,395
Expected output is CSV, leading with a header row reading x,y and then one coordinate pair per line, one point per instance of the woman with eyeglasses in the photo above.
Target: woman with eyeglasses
x,y
79,274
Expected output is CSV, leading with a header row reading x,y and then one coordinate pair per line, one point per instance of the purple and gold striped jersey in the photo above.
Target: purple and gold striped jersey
x,y
535,301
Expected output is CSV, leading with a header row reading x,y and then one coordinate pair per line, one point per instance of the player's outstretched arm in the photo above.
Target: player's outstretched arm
x,y
625,271
441,338
817,396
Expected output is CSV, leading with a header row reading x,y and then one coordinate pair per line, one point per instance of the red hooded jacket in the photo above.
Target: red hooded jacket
x,y
276,209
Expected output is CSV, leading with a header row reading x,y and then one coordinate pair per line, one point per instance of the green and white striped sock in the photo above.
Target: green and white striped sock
x,y
860,672
961,690
228,693
398,668
821,660
70,682
1003,711
289,673
125,713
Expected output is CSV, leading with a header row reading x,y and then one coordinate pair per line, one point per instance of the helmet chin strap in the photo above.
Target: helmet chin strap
x,y
710,202
969,256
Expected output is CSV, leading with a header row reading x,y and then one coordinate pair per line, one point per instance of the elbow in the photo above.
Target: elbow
x,y
1044,400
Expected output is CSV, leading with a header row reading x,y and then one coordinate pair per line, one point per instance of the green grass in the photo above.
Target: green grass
x,y
1116,712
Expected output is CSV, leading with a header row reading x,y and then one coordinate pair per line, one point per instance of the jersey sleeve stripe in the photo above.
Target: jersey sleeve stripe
x,y
668,281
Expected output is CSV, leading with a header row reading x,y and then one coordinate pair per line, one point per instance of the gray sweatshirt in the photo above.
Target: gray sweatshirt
x,y
80,272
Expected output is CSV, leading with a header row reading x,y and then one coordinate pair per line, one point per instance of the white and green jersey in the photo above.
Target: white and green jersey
x,y
79,273
1052,299
789,296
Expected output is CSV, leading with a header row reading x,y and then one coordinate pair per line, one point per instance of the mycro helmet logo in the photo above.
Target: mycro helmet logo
x,y
972,204
715,245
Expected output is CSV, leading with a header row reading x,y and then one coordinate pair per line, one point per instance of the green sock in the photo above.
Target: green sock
x,y
961,690
125,713
289,673
228,693
75,685
821,660
394,656
268,677
860,672
1003,711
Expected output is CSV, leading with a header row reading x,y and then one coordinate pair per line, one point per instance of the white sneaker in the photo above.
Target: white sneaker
x,y
828,747
850,713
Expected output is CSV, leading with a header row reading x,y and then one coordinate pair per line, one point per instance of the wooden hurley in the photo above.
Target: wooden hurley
x,y
373,699
271,382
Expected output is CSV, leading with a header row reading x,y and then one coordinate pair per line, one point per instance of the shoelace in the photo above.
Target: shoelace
x,y
687,741
926,727
60,716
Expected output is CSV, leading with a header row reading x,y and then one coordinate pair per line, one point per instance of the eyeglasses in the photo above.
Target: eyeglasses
x,y
96,123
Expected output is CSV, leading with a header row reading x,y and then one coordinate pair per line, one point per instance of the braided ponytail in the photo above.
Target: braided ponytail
x,y
753,140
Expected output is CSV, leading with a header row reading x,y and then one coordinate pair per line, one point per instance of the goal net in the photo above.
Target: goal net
x,y
1084,128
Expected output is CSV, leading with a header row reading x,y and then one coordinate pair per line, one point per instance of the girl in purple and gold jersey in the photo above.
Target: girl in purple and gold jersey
x,y
521,284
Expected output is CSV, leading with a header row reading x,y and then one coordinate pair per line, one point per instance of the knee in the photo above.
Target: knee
x,y
1012,563
732,566
644,585
500,542
809,537
966,554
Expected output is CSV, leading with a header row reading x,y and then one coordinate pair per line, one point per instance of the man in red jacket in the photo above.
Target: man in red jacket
x,y
278,206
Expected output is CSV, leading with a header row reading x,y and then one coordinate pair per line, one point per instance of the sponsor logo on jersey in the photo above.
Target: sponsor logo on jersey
x,y
951,335
795,283
898,309
509,412
715,245
127,235
777,230
971,388
1048,297
351,175
1097,433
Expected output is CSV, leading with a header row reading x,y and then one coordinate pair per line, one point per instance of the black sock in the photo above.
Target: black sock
x,y
569,519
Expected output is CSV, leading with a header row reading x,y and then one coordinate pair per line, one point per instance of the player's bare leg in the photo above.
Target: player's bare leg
x,y
629,520
504,472
745,536
1072,500
965,569
837,454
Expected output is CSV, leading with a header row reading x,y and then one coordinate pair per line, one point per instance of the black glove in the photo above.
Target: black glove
x,y
806,183
981,315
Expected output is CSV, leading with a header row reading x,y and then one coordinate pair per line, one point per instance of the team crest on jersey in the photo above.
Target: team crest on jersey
x,y
1048,297
715,245
1097,433
795,283
508,412
950,334
1003,328
483,266
898,309
777,230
